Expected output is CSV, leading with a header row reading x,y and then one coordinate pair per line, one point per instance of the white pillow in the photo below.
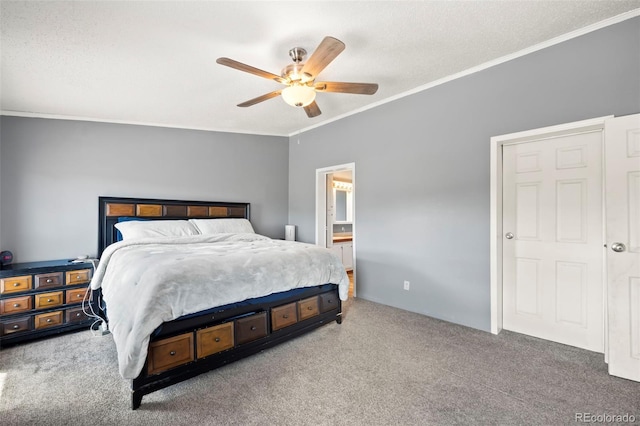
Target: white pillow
x,y
155,228
218,226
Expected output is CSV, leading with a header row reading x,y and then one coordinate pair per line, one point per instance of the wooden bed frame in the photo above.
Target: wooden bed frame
x,y
197,343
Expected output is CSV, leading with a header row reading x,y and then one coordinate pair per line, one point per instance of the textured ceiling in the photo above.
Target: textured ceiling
x,y
152,62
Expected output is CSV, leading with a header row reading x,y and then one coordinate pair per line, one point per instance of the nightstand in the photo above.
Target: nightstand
x,y
38,299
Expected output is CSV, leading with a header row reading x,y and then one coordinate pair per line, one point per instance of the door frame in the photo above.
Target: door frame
x,y
321,208
496,231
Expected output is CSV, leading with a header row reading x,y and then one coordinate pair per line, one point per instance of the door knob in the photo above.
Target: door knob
x,y
508,235
618,247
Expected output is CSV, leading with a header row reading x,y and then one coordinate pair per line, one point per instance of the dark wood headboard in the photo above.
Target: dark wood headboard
x,y
112,208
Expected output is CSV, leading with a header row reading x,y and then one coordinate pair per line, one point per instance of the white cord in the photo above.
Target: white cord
x,y
86,301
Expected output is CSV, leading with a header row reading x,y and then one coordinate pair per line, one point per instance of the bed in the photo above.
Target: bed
x,y
188,286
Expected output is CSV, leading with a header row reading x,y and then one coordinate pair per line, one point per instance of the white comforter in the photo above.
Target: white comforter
x,y
146,282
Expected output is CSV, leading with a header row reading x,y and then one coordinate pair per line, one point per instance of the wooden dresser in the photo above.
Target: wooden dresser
x,y
38,299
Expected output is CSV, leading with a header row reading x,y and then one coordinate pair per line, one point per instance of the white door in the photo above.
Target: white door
x,y
622,172
553,242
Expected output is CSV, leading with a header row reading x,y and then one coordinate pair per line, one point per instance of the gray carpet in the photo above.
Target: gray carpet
x,y
382,366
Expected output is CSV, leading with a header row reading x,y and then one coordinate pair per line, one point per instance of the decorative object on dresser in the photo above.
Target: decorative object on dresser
x,y
236,292
39,299
6,258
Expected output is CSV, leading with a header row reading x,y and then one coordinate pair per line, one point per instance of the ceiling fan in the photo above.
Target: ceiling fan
x,y
300,78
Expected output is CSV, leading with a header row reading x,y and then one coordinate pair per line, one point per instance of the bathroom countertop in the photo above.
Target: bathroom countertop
x,y
342,239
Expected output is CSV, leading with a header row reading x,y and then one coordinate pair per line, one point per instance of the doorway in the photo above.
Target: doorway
x,y
619,254
336,215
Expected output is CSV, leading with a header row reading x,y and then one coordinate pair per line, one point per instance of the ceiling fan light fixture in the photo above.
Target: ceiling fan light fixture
x,y
299,95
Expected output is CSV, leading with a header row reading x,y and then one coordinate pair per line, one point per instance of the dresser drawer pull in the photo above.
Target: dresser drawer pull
x,y
15,327
16,284
16,305
172,353
49,280
78,314
285,316
253,327
310,308
78,277
49,300
49,320
217,339
329,301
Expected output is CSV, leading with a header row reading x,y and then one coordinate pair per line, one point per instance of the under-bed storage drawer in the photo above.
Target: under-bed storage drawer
x,y
168,353
283,316
251,328
308,308
212,340
328,301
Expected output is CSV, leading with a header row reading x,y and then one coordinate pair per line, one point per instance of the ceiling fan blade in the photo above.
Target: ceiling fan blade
x,y
251,70
312,110
356,88
326,52
260,99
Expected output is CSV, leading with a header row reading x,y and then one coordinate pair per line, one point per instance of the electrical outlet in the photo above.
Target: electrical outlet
x,y
406,285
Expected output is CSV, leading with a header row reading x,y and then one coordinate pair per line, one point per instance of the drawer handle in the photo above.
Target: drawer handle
x,y
172,353
78,295
78,277
285,316
49,320
16,284
49,280
253,328
329,301
15,327
78,314
16,305
217,339
49,300
310,308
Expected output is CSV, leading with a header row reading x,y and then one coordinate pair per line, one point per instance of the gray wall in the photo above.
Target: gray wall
x,y
54,170
422,167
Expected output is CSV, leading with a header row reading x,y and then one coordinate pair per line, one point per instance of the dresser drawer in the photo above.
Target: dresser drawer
x,y
48,320
78,277
215,339
53,279
308,308
15,284
328,301
48,300
75,315
251,328
75,296
283,316
16,325
15,305
168,353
